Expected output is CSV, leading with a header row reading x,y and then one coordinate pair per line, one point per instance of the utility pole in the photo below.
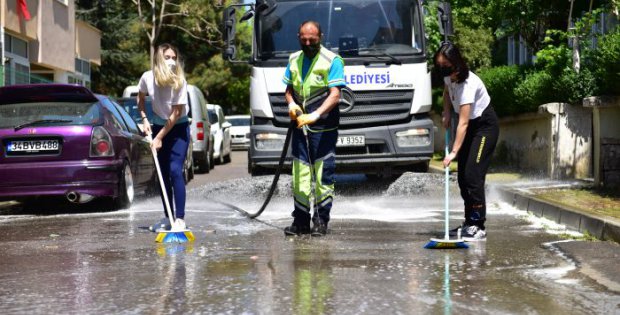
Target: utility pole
x,y
575,40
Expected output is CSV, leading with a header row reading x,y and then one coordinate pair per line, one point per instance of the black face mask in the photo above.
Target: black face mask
x,y
311,50
445,71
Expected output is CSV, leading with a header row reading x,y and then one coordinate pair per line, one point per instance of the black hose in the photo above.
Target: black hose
x,y
274,183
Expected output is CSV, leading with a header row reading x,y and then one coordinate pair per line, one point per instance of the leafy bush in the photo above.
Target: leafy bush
x,y
572,87
500,83
606,63
536,89
556,55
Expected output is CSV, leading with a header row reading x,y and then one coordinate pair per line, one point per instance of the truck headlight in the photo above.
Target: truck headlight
x,y
413,138
269,141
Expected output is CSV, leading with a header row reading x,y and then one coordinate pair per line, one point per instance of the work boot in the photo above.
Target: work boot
x,y
163,224
319,229
296,230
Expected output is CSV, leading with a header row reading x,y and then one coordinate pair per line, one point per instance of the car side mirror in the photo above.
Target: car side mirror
x,y
226,125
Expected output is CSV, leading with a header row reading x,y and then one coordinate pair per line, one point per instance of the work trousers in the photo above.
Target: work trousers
x,y
473,163
171,157
321,159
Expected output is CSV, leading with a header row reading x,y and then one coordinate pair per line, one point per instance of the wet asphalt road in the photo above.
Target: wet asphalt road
x,y
372,262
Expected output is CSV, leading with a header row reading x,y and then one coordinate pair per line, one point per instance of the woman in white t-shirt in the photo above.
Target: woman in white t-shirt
x,y
476,135
166,84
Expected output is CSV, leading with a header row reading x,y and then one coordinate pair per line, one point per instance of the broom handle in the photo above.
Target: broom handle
x,y
161,184
446,188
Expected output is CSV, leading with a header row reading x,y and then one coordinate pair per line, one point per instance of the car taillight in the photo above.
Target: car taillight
x,y
101,143
200,135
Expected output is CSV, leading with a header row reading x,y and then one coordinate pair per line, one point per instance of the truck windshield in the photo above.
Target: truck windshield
x,y
351,28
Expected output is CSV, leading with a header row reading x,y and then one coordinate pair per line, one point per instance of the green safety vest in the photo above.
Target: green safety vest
x,y
312,90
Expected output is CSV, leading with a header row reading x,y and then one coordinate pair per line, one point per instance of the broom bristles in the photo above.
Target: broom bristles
x,y
446,244
175,237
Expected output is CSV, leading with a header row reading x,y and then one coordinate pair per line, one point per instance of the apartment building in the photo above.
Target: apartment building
x,y
41,41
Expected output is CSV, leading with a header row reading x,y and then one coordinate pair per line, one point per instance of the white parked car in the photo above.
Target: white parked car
x,y
220,129
240,131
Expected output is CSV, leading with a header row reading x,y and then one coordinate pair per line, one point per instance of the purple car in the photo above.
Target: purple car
x,y
63,140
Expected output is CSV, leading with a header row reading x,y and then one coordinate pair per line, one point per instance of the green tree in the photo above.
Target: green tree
x,y
123,58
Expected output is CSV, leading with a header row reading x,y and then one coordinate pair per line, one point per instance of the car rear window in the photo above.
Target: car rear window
x,y
212,116
131,106
49,114
239,121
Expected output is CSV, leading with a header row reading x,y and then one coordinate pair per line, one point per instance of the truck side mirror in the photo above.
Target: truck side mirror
x,y
230,28
266,7
444,13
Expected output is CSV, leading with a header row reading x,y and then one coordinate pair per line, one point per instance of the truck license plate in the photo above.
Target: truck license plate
x,y
351,141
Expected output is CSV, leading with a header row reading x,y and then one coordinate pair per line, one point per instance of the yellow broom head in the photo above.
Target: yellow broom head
x,y
175,236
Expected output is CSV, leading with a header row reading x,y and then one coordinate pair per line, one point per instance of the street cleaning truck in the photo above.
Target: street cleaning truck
x,y
385,127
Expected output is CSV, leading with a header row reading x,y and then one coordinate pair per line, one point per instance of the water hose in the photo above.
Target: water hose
x,y
274,183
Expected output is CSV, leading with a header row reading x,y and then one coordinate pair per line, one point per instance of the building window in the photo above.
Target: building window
x,y
511,50
82,73
22,74
17,70
518,52
15,46
82,66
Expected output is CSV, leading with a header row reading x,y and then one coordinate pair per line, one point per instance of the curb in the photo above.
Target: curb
x,y
602,228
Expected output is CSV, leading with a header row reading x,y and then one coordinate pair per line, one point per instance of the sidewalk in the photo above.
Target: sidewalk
x,y
600,226
522,196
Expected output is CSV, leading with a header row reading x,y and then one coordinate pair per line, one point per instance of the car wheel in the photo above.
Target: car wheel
x,y
191,170
203,164
220,160
186,173
227,158
125,188
211,160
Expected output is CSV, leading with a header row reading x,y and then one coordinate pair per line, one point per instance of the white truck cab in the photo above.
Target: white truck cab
x,y
385,127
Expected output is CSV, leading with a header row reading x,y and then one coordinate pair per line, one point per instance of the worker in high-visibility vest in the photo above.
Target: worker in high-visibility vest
x,y
314,77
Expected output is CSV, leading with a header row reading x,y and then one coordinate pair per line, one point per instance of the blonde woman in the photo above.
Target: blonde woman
x,y
169,125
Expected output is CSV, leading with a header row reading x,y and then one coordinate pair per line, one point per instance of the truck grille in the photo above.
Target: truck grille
x,y
371,108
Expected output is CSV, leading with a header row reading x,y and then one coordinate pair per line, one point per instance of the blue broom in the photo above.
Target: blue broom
x,y
176,234
446,242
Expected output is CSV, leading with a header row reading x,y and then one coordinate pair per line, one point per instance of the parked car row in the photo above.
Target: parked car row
x,y
64,140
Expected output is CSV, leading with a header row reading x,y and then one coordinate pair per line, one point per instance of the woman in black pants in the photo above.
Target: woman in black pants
x,y
476,135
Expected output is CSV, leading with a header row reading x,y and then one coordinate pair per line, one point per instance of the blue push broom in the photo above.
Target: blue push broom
x,y
176,234
446,242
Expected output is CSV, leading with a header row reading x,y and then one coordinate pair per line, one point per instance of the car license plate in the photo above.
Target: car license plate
x,y
351,141
33,145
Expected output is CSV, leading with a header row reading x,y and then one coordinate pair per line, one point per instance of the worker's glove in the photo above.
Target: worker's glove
x,y
294,110
307,119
